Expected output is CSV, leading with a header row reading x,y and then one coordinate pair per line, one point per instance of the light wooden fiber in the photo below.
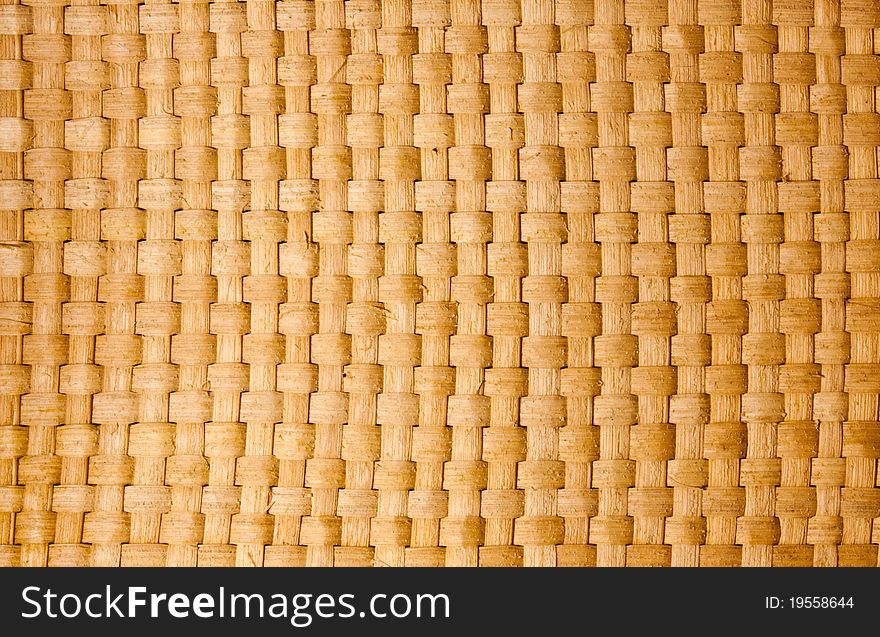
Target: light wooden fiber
x,y
440,282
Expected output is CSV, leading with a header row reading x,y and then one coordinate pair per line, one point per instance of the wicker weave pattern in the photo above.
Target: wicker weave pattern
x,y
439,282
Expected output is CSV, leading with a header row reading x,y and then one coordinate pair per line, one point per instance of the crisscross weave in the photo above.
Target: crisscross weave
x,y
439,282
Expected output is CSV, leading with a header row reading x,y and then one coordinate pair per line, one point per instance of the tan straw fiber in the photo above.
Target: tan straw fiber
x,y
440,282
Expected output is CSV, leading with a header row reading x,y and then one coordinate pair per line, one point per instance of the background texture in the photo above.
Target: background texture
x,y
439,282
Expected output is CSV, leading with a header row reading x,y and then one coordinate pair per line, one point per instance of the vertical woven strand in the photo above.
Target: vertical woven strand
x,y
298,260
296,376
400,288
794,69
858,497
16,315
711,334
331,165
263,166
48,164
436,265
187,473
148,499
365,319
504,442
580,380
214,277
687,165
544,351
764,345
654,263
86,135
616,349
107,526
470,348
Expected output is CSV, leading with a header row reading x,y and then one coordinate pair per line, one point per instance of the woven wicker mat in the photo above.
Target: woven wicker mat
x,y
440,282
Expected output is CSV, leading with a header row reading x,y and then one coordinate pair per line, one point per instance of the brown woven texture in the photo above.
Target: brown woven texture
x,y
440,282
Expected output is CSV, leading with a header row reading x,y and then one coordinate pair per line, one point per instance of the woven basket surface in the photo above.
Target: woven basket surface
x,y
439,282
